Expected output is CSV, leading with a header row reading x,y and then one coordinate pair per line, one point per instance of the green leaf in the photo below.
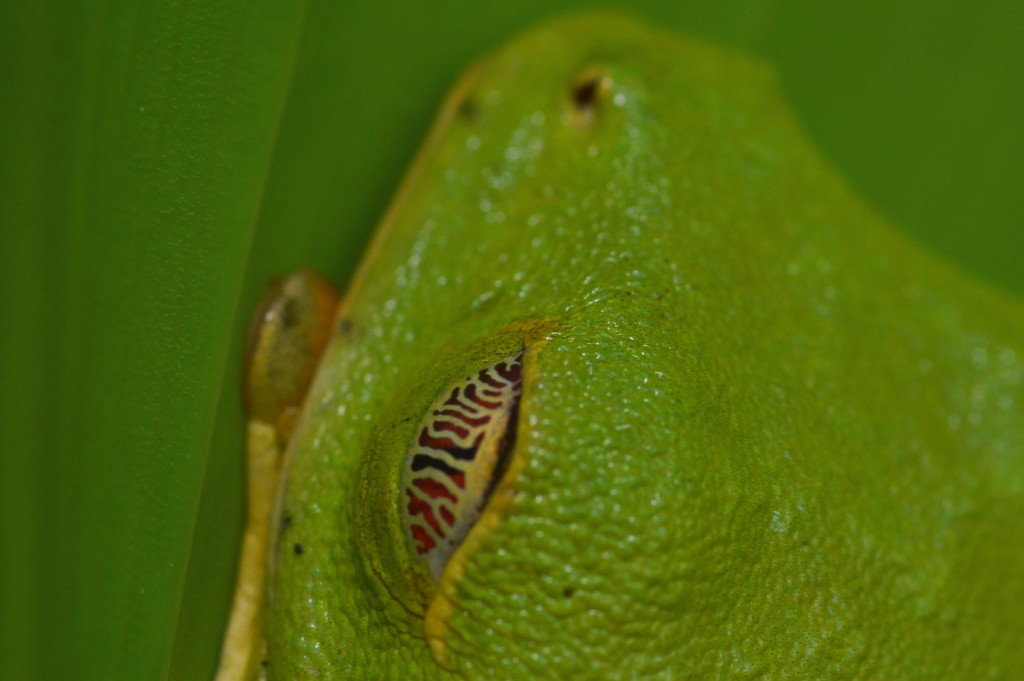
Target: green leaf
x,y
161,161
143,137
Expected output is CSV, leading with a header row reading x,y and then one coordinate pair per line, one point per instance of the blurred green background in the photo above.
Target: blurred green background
x,y
160,161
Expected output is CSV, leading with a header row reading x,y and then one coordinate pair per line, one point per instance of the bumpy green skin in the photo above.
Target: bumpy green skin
x,y
768,436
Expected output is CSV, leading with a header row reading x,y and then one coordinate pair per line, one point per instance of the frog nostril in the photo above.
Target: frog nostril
x,y
584,94
460,452
589,88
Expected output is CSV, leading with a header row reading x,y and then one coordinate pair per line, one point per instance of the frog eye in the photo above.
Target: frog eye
x,y
461,449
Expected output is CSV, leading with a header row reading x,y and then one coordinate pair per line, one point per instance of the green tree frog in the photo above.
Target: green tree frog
x,y
630,384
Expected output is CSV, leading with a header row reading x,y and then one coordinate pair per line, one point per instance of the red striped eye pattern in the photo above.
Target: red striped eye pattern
x,y
461,450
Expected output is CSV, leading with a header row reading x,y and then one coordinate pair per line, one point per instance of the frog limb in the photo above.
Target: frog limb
x,y
289,332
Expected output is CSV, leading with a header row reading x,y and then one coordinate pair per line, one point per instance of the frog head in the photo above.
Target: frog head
x,y
630,384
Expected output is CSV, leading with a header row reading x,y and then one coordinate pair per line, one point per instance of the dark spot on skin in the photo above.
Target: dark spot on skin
x,y
568,592
399,424
344,327
264,663
468,109
298,549
285,525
